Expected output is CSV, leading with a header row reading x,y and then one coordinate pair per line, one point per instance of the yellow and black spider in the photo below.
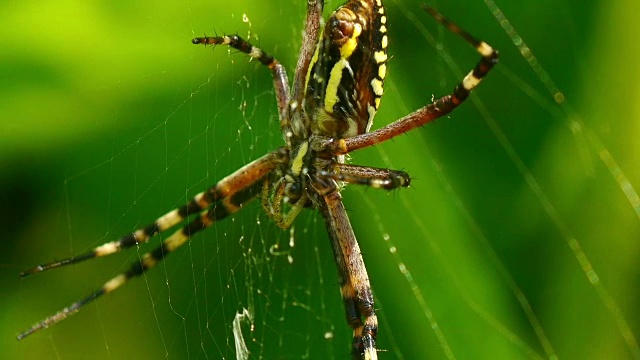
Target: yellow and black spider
x,y
337,87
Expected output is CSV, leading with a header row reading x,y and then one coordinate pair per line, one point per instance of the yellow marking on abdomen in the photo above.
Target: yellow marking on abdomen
x,y
335,77
349,47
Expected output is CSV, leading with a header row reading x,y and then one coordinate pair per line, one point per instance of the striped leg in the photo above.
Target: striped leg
x,y
219,211
354,281
221,200
280,79
244,177
365,175
309,42
201,201
439,108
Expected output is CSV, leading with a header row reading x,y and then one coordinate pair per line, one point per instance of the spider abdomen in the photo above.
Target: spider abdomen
x,y
345,80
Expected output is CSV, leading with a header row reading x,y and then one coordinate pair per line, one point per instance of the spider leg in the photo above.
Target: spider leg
x,y
230,194
221,210
309,41
280,79
163,223
433,111
354,280
272,204
365,175
242,178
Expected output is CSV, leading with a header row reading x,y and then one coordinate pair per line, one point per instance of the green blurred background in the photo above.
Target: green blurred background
x,y
110,117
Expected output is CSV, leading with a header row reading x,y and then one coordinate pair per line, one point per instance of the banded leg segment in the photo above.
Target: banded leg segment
x,y
223,199
368,176
439,108
241,179
354,280
309,42
219,211
280,79
163,223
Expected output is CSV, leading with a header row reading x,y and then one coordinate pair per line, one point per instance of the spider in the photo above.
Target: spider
x,y
337,87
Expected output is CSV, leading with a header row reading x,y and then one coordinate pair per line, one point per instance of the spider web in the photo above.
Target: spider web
x,y
516,240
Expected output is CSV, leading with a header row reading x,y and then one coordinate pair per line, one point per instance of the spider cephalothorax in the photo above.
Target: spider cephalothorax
x,y
336,91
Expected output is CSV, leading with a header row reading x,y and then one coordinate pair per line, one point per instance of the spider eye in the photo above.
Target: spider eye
x,y
293,191
295,188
